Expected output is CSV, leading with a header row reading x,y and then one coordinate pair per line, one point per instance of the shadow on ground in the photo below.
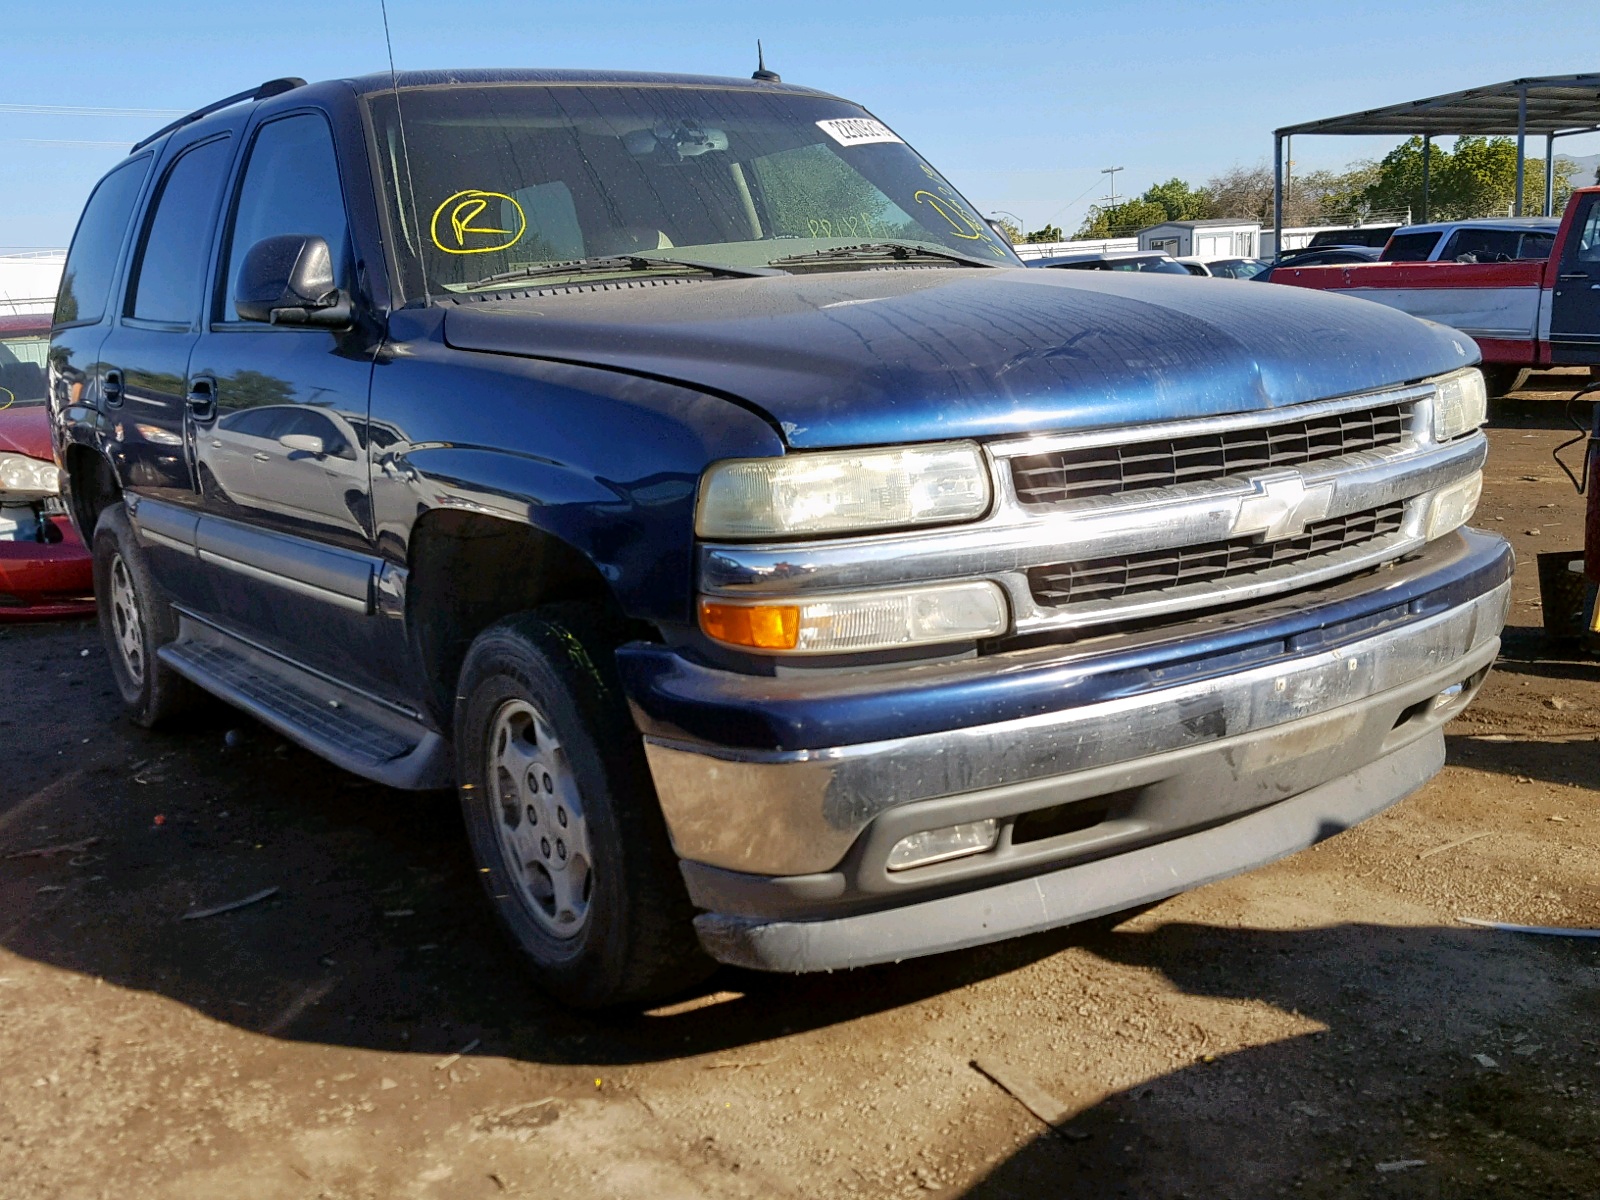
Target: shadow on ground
x,y
1299,1117
1543,405
377,937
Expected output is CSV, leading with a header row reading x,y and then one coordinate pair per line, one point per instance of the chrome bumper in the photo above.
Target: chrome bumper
x,y
798,812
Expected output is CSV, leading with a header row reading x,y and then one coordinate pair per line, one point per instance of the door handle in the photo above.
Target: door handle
x,y
1573,275
260,457
202,398
111,386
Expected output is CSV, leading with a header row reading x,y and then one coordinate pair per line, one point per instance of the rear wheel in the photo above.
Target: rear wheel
x,y
562,817
135,621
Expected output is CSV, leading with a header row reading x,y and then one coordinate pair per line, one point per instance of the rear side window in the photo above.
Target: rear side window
x,y
1410,247
170,269
291,185
86,280
1482,245
1536,245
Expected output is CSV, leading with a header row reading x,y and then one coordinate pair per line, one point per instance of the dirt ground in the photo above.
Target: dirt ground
x,y
1325,1027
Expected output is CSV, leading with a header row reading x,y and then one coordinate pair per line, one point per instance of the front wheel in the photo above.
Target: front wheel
x,y
563,820
1500,379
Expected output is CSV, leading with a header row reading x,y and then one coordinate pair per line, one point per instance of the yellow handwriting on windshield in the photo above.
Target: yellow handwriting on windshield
x,y
962,225
8,399
461,214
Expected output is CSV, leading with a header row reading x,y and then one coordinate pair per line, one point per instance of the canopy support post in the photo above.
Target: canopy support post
x,y
1427,161
1277,195
1522,138
1549,174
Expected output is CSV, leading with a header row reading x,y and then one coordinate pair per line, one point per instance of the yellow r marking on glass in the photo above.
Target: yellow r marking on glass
x,y
464,208
10,398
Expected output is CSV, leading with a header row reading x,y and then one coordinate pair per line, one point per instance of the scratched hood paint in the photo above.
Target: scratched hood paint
x,y
871,357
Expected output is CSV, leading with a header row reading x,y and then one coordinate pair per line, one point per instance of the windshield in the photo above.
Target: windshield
x,y
22,362
512,177
1157,266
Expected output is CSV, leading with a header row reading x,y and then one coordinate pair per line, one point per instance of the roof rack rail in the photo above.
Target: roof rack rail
x,y
272,87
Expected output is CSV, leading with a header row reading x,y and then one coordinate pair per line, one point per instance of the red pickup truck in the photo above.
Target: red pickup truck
x,y
1522,313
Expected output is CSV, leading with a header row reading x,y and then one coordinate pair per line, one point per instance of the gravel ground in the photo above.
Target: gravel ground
x,y
1324,1027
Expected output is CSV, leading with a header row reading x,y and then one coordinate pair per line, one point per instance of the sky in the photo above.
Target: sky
x,y
1020,105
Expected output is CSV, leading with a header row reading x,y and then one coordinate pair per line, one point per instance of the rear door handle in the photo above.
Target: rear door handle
x,y
111,386
202,398
1573,275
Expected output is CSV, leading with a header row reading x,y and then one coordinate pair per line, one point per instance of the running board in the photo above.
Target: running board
x,y
348,729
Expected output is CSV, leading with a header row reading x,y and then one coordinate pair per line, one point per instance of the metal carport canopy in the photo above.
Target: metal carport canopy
x,y
1554,105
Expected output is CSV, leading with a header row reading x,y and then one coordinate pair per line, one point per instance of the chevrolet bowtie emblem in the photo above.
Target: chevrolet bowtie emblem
x,y
1281,506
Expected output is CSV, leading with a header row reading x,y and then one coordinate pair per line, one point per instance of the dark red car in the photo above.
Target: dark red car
x,y
45,569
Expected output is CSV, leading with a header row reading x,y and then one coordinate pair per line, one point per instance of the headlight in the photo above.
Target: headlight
x,y
1453,506
957,612
24,478
1460,404
843,492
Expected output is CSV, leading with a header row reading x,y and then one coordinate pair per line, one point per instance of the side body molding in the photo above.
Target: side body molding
x,y
326,573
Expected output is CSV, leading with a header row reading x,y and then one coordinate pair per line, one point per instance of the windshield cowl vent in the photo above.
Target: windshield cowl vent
x,y
564,289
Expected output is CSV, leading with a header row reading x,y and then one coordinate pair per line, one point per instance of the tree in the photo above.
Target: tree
x,y
1050,233
1315,198
1119,220
1180,201
1477,177
1007,230
1173,200
1242,193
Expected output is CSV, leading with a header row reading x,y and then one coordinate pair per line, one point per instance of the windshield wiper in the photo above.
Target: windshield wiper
x,y
620,262
870,251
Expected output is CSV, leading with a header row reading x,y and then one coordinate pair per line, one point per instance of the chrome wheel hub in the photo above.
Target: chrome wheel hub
x,y
539,820
125,622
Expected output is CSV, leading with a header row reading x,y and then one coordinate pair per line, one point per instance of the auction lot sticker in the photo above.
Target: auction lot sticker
x,y
857,131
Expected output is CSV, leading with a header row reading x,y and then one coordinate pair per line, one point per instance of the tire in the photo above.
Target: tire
x,y
562,817
1499,379
135,621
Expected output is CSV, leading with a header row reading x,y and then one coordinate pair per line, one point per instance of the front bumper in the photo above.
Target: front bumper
x,y
40,580
1121,750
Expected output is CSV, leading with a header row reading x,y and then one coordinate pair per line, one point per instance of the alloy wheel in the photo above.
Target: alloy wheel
x,y
539,820
126,621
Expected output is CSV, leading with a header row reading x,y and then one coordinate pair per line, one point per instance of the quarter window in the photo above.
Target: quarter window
x,y
170,270
291,186
86,279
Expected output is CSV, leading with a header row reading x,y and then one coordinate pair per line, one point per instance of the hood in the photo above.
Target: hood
x,y
875,357
26,431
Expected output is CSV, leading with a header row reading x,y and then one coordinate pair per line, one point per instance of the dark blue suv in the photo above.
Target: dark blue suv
x,y
682,469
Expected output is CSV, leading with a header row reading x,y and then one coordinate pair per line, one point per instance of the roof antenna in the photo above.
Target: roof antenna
x,y
405,153
761,71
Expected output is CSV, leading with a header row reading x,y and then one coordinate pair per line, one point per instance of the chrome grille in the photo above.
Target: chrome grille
x,y
1132,574
1081,473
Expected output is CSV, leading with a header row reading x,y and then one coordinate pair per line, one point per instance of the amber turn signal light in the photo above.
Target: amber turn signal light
x,y
758,626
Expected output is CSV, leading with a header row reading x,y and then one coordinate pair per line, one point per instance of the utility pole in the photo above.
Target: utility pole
x,y
1111,171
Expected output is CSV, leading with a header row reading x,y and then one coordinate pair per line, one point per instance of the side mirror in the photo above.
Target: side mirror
x,y
304,443
288,280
